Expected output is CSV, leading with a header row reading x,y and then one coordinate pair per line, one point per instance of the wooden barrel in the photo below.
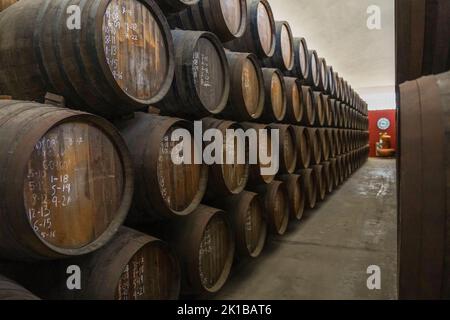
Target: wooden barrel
x,y
340,168
309,180
424,237
334,171
319,107
283,57
105,67
204,243
231,175
301,61
323,75
296,194
325,143
259,35
309,113
328,176
303,147
10,290
276,102
340,111
287,145
337,141
132,266
6,3
320,182
328,111
331,84
249,222
164,189
201,84
227,19
255,176
246,99
332,142
294,106
336,113
341,89
313,136
173,6
276,206
337,86
56,168
314,69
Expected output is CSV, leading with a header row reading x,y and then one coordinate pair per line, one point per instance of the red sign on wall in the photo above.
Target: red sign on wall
x,y
382,121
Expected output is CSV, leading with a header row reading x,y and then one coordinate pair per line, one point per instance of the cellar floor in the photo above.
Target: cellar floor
x,y
326,256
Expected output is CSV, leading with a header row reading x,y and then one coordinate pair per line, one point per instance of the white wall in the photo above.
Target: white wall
x,y
338,30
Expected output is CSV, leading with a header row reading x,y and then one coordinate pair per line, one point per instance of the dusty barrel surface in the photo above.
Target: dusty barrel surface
x,y
66,181
163,188
201,84
320,181
287,147
247,95
303,147
313,136
10,290
309,113
276,205
283,58
296,194
275,106
259,35
249,222
204,243
309,180
225,18
261,148
295,107
173,6
103,67
314,69
300,69
231,175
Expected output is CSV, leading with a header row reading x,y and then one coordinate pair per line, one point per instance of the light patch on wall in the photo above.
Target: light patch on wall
x,y
379,98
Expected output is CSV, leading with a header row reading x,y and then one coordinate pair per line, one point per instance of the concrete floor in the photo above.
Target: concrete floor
x,y
327,254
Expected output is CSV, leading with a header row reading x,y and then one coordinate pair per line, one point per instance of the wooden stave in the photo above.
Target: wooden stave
x,y
320,181
303,148
297,71
268,115
277,60
314,142
308,177
309,114
293,182
293,116
319,107
313,77
287,165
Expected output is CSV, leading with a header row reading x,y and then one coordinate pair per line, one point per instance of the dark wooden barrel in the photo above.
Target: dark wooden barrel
x,y
328,112
301,61
256,177
334,171
231,176
9,289
259,36
132,266
204,243
309,180
249,222
331,84
201,84
309,113
340,168
275,106
173,6
313,136
328,176
332,141
295,106
320,182
303,147
296,194
314,69
287,145
340,111
336,113
121,60
276,206
325,143
323,75
163,188
56,167
341,89
337,141
225,18
247,95
6,3
283,57
319,107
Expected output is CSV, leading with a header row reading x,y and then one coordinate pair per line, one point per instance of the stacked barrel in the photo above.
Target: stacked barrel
x,y
152,72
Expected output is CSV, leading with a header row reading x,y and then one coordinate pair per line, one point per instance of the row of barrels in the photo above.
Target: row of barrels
x,y
116,78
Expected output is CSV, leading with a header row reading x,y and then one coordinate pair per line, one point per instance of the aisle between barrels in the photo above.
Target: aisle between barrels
x,y
327,255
